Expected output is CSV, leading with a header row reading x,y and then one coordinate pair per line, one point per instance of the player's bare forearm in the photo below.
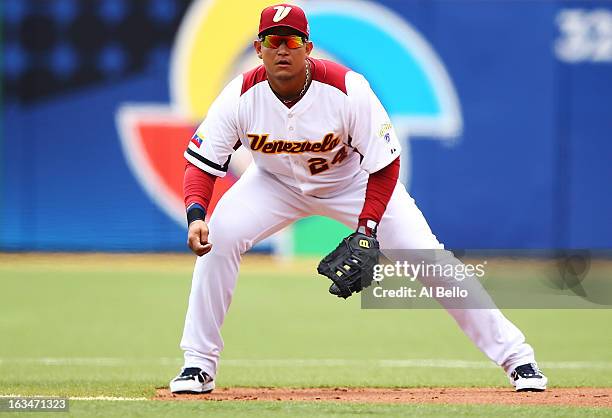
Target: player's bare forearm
x,y
197,238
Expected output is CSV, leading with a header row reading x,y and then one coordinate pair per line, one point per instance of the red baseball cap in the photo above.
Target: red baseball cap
x,y
284,15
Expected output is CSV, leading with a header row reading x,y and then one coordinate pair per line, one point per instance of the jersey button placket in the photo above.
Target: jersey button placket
x,y
291,124
291,136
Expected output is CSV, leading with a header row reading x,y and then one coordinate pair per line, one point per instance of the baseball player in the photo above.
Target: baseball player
x,y
322,144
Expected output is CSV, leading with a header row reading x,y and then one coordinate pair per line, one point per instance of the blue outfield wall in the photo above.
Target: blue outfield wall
x,y
531,167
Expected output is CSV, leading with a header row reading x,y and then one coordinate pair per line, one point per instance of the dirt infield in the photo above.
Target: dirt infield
x,y
598,397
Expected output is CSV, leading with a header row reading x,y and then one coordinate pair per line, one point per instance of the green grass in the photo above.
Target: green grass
x,y
309,409
128,317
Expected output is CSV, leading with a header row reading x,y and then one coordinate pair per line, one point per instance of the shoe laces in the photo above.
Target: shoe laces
x,y
191,371
195,373
527,370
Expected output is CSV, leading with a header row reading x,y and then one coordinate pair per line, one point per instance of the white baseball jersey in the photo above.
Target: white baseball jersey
x,y
337,129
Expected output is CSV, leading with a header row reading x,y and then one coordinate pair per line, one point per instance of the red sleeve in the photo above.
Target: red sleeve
x,y
197,186
378,192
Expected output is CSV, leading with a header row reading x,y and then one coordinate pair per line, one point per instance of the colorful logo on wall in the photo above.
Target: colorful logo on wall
x,y
399,63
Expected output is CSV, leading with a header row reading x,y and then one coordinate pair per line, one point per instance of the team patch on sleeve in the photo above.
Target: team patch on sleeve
x,y
196,139
384,131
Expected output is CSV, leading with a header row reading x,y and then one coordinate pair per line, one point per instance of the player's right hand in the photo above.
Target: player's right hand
x,y
197,238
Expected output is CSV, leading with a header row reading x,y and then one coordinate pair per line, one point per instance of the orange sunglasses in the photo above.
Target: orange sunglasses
x,y
275,41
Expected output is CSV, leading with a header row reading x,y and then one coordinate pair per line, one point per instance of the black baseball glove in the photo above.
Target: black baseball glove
x,y
351,265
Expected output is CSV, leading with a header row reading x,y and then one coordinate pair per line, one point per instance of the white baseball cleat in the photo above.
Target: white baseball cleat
x,y
528,378
192,380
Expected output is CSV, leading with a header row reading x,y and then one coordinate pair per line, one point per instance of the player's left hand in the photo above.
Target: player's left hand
x,y
351,265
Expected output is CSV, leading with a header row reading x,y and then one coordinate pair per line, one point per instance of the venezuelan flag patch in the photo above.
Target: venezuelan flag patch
x,y
197,140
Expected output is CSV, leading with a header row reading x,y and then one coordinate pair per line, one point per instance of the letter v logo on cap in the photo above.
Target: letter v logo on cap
x,y
281,13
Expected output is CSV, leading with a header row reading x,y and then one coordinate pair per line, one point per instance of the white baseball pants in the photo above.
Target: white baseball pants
x,y
259,205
